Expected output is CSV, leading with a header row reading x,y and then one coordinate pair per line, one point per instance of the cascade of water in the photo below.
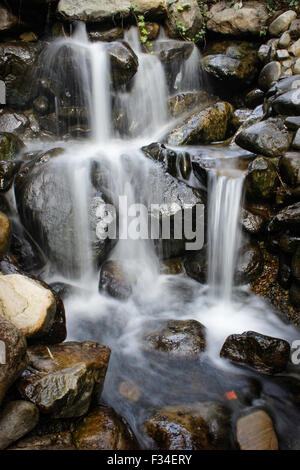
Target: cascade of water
x,y
225,195
190,77
146,103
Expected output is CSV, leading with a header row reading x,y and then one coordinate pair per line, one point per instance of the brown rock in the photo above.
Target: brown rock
x,y
201,426
17,419
103,429
61,378
5,233
256,432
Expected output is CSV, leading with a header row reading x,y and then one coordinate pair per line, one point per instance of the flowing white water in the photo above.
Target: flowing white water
x,y
224,231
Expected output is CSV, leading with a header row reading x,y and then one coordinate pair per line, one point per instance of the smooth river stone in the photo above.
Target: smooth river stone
x,y
256,432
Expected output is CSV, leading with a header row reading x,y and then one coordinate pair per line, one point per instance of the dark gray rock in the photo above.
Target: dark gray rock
x,y
261,179
266,354
288,103
269,74
268,138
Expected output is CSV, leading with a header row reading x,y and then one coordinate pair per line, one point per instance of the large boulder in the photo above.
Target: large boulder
x,y
61,379
17,68
250,264
11,122
103,429
27,304
17,419
261,179
180,339
250,18
209,125
201,426
266,354
13,355
184,19
51,224
269,138
186,102
98,11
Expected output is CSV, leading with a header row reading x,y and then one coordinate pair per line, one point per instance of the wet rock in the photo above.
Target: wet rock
x,y
176,162
124,63
196,266
265,354
8,21
290,168
178,338
14,123
231,70
103,429
282,23
184,19
255,431
5,233
252,223
10,146
114,281
152,30
288,243
17,419
60,379
296,141
17,67
55,441
269,74
110,35
285,84
15,355
249,265
175,199
292,122
209,125
28,305
282,55
46,176
288,103
296,265
239,117
268,138
201,426
228,20
187,101
296,68
261,179
287,218
175,51
26,251
254,98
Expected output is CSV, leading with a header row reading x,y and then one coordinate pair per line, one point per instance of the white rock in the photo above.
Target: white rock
x,y
282,23
295,49
285,40
27,304
282,54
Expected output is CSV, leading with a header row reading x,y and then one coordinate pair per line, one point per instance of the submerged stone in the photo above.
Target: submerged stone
x,y
201,426
115,281
177,338
255,431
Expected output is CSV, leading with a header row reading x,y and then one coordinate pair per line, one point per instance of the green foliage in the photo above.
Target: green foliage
x,y
141,24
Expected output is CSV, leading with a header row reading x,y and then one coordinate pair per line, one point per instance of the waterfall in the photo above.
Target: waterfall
x,y
225,198
146,103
